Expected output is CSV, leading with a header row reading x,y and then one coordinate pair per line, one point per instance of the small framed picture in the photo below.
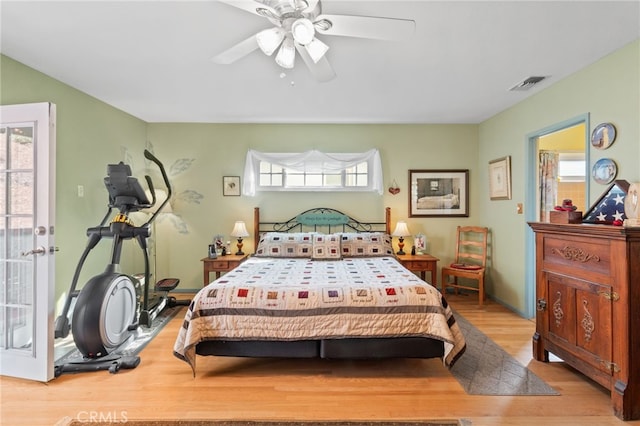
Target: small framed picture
x,y
500,178
231,186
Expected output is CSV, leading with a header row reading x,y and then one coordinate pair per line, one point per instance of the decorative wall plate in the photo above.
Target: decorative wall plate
x,y
603,135
604,171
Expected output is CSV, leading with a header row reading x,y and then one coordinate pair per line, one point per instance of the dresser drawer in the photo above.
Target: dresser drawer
x,y
581,257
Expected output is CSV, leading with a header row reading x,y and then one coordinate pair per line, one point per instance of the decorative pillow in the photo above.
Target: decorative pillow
x,y
366,244
326,247
282,244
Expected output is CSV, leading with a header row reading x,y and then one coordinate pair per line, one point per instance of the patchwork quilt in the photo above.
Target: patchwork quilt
x,y
285,299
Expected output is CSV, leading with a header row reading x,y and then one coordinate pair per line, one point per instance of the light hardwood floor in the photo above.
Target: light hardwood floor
x,y
162,387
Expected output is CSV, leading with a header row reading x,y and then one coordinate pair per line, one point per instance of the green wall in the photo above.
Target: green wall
x,y
609,91
219,150
89,134
92,134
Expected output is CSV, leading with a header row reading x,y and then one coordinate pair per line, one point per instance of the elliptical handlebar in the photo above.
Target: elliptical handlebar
x,y
148,155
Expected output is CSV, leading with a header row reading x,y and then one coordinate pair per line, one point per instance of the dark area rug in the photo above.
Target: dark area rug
x,y
486,369
435,422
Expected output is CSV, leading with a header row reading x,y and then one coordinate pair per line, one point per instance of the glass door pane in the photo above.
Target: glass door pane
x,y
17,211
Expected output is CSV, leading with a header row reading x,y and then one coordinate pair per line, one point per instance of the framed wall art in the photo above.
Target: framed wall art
x,y
231,186
500,178
438,193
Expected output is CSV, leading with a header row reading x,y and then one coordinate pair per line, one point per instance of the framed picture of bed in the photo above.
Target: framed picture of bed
x,y
439,193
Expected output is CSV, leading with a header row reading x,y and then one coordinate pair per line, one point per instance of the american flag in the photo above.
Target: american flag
x,y
610,207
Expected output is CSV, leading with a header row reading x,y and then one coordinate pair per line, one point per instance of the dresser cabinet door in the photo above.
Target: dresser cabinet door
x,y
580,318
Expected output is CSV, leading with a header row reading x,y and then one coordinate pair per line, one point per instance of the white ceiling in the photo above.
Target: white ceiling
x,y
152,59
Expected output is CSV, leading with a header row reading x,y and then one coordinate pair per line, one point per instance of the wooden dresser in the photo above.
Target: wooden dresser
x,y
588,305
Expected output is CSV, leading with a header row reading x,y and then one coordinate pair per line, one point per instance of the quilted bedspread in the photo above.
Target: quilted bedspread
x,y
303,299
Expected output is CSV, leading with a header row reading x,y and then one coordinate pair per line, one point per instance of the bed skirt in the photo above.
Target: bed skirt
x,y
356,348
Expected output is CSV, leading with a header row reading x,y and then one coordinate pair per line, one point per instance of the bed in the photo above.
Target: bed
x,y
448,201
320,284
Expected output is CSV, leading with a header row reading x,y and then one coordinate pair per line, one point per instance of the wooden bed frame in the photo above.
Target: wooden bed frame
x,y
350,348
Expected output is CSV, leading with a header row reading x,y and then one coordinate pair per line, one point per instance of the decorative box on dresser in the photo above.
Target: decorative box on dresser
x,y
588,305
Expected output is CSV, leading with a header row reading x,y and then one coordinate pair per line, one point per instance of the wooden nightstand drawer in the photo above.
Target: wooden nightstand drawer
x,y
221,264
416,265
421,263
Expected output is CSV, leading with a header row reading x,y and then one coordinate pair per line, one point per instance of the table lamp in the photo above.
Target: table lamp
x,y
239,231
401,231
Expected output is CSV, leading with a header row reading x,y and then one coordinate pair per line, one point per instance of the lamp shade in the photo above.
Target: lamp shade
x,y
401,230
239,230
303,31
286,56
269,40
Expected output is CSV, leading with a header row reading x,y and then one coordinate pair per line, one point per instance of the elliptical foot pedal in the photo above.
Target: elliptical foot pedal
x,y
167,284
113,363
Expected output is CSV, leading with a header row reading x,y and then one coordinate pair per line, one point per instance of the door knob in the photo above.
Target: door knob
x,y
38,250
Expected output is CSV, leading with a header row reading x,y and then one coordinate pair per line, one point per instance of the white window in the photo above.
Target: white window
x,y
312,171
571,167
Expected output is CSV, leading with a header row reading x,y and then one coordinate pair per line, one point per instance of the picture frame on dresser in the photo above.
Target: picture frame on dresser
x,y
439,193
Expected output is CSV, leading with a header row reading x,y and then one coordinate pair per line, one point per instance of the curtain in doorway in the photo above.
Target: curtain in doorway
x,y
548,185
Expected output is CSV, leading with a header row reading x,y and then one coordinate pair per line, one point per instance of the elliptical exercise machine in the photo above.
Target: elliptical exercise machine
x,y
111,305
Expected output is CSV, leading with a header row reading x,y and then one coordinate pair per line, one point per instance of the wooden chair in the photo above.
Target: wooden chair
x,y
470,260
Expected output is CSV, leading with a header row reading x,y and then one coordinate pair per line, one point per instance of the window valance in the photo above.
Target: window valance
x,y
312,161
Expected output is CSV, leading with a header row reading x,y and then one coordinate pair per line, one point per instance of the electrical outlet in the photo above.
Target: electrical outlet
x,y
80,191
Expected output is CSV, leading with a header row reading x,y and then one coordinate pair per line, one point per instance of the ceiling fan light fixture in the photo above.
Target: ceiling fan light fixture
x,y
269,40
286,56
303,31
316,50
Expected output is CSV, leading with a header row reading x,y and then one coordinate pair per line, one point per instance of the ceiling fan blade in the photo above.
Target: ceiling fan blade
x,y
236,52
365,27
321,70
252,6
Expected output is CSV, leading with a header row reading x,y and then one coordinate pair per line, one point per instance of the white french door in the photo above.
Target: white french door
x,y
27,265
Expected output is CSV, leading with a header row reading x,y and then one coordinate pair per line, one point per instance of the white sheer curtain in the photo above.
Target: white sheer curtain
x,y
312,161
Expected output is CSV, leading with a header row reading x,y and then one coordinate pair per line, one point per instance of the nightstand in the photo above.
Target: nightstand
x,y
421,263
221,264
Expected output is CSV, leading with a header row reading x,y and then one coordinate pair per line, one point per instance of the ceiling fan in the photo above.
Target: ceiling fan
x,y
296,25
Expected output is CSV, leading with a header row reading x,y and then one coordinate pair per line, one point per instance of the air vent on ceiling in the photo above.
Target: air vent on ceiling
x,y
527,83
